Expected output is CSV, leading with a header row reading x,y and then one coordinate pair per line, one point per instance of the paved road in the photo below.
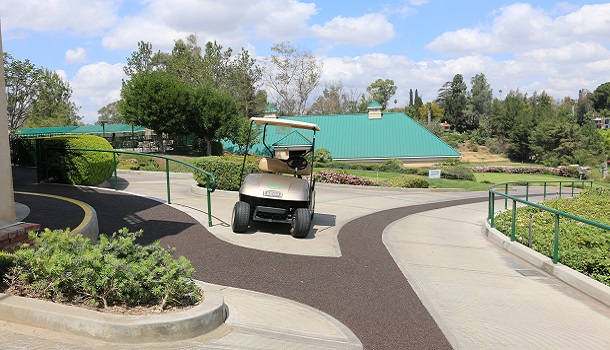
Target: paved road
x,y
364,287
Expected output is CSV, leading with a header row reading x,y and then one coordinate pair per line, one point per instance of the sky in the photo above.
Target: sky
x,y
535,46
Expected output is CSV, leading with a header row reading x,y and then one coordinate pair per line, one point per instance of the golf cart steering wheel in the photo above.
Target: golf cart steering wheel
x,y
297,162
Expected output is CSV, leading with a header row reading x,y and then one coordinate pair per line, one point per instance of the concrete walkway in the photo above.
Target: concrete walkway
x,y
480,296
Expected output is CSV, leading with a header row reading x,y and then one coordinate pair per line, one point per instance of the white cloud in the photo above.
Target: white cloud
x,y
82,17
76,56
521,27
96,85
230,22
367,30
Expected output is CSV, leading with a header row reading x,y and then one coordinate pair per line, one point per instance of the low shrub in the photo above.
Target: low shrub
x,y
406,181
336,177
392,166
322,156
459,172
226,171
565,171
582,247
78,167
115,272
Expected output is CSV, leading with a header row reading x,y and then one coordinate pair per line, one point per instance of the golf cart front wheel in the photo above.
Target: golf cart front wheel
x,y
240,217
301,221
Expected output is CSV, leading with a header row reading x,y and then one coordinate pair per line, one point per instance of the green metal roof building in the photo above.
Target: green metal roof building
x,y
366,137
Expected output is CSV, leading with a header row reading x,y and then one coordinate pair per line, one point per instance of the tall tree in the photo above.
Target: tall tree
x,y
410,97
479,101
292,73
584,109
244,82
141,60
601,99
110,114
452,98
382,91
53,106
36,96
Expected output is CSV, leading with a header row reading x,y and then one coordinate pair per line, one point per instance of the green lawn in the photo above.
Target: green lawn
x,y
484,180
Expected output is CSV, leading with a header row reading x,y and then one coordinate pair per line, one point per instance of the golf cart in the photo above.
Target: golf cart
x,y
279,193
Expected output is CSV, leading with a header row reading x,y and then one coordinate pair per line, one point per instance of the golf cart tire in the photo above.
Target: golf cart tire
x,y
241,217
301,223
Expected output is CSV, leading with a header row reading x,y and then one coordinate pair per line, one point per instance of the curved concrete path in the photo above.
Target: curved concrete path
x,y
472,294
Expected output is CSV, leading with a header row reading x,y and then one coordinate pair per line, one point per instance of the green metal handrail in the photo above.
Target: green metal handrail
x,y
493,192
210,179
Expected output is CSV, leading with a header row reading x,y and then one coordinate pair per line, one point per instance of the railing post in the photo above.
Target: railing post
x,y
559,189
573,188
116,187
505,198
492,209
167,180
544,196
527,191
514,222
556,241
207,183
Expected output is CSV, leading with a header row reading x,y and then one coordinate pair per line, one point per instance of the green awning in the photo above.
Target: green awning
x,y
56,130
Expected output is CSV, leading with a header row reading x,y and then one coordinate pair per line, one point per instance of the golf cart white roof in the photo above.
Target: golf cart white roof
x,y
285,123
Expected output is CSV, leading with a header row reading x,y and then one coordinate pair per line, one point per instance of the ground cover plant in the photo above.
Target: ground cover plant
x,y
116,272
582,247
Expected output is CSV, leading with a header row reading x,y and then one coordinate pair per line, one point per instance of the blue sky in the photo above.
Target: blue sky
x,y
557,47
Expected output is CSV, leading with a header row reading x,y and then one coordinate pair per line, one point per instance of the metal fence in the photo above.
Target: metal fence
x,y
494,192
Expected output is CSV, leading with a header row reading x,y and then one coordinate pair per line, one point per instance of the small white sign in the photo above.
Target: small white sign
x,y
434,174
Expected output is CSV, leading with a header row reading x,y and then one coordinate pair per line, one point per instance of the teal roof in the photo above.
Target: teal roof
x,y
45,131
86,129
374,104
108,128
355,136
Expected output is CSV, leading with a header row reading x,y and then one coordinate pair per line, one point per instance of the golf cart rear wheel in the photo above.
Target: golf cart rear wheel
x,y
301,221
240,217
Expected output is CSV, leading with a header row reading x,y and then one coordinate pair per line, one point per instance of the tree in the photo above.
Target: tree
x,y
53,106
452,98
479,101
601,99
156,100
584,109
292,73
335,99
140,61
214,115
110,114
36,96
382,91
244,81
436,113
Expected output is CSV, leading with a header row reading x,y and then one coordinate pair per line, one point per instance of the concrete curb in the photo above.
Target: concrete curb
x,y
203,318
587,285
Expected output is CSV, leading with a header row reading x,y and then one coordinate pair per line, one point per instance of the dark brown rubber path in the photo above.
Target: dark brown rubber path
x,y
364,288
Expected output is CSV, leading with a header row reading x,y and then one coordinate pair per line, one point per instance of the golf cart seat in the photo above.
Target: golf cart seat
x,y
274,165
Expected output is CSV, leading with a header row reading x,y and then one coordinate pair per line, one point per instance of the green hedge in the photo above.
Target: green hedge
x,y
227,172
458,172
78,167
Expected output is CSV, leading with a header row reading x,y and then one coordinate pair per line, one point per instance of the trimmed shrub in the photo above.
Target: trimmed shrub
x,y
24,151
458,173
392,166
115,272
406,181
226,171
78,167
